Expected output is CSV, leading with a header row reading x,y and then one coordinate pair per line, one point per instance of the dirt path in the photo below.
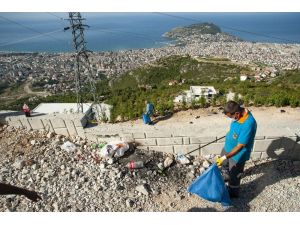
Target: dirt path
x,y
28,90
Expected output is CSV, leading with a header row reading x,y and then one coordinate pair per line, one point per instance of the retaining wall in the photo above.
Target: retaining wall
x,y
68,125
264,146
285,147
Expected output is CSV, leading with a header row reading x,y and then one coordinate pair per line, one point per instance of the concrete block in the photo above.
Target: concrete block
x,y
26,124
139,135
214,148
264,155
36,124
15,123
165,149
145,148
58,123
183,149
71,128
256,155
80,132
259,138
145,142
180,134
80,122
47,125
201,140
169,141
93,138
272,137
267,145
157,135
62,131
108,139
127,137
186,140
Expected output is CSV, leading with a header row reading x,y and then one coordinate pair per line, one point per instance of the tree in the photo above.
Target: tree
x,y
202,102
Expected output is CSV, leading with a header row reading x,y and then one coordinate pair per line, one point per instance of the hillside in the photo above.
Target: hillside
x,y
194,29
206,32
152,82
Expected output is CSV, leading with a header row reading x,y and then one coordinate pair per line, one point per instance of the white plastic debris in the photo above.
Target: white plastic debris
x,y
206,164
160,166
210,156
182,159
114,149
68,147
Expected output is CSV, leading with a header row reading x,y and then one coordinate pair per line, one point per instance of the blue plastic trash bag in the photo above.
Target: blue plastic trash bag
x,y
146,118
210,186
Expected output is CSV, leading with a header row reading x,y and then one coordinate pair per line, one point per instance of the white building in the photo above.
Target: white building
x,y
243,77
100,111
195,93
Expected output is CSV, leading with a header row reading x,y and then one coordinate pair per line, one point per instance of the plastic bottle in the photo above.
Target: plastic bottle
x,y
135,164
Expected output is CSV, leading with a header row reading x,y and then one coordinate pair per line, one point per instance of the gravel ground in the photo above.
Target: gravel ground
x,y
81,181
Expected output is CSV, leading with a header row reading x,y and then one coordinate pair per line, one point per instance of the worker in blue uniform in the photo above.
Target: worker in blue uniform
x,y
238,145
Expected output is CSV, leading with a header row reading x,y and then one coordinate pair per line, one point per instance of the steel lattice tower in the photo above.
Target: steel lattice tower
x,y
83,69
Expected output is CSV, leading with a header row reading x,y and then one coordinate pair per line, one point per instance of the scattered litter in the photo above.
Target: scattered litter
x,y
206,164
102,166
160,166
210,157
68,147
110,161
202,170
100,145
135,164
112,149
182,159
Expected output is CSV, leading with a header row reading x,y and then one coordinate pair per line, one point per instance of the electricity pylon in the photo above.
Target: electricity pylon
x,y
83,71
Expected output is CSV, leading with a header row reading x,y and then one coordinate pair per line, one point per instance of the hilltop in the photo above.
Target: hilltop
x,y
200,28
202,31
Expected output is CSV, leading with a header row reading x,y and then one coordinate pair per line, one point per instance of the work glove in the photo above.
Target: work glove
x,y
219,160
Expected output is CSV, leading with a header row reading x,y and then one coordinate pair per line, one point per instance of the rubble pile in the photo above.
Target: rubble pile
x,y
70,175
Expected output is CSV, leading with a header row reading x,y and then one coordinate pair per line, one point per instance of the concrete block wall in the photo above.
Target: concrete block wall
x,y
264,146
284,147
63,126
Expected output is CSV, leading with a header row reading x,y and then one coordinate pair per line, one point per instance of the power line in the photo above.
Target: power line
x,y
229,28
52,14
61,19
95,28
26,39
29,28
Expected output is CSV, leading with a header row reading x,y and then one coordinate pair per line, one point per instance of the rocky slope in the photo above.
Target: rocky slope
x,y
82,181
